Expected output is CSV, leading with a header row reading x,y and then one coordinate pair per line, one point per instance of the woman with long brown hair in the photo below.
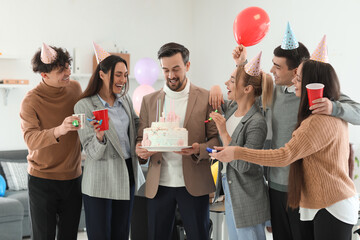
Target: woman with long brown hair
x,y
111,171
318,153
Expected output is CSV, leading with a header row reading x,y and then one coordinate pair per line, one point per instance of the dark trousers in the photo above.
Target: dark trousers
x,y
54,203
109,219
194,213
285,221
326,226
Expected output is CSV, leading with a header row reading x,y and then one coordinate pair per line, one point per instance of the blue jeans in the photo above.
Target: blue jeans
x,y
256,232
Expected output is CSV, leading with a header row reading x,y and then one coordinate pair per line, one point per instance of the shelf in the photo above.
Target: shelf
x,y
7,87
12,86
160,78
9,57
78,76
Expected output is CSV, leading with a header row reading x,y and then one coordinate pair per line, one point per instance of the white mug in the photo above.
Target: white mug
x,y
81,116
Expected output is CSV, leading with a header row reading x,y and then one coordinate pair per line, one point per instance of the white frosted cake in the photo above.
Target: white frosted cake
x,y
165,134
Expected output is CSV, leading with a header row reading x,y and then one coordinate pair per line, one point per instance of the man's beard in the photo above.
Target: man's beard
x,y
180,84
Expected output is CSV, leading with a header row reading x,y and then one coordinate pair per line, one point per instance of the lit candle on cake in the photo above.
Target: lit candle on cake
x,y
162,119
157,110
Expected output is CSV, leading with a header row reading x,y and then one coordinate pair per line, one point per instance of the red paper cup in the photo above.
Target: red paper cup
x,y
314,91
102,115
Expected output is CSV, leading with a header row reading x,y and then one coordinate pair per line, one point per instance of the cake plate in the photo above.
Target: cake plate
x,y
165,148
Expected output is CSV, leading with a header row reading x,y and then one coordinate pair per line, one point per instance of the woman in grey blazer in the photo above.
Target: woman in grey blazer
x,y
111,170
246,195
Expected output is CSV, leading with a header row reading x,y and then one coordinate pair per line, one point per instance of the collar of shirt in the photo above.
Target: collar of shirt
x,y
182,93
290,89
116,103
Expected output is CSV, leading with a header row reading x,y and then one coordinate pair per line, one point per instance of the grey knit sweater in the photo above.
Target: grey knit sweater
x,y
284,112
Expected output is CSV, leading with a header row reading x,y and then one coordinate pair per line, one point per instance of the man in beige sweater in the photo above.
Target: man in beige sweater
x,y
54,147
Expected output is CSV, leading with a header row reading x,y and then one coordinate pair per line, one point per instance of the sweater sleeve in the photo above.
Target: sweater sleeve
x,y
346,109
35,137
314,134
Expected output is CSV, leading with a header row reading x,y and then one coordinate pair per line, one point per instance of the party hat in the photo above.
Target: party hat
x,y
289,41
253,67
48,54
100,53
320,53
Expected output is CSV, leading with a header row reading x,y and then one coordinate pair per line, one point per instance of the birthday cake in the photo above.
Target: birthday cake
x,y
165,133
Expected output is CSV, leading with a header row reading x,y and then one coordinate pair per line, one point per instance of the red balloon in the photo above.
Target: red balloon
x,y
250,26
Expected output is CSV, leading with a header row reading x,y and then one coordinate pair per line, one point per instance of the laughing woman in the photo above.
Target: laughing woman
x,y
111,171
246,196
318,153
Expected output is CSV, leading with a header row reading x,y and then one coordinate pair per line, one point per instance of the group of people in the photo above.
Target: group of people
x,y
311,194
308,193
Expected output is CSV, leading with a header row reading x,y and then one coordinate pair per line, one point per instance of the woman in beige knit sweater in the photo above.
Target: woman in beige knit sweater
x,y
318,153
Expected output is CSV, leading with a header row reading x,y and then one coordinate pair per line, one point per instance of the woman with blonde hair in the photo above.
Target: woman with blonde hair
x,y
246,196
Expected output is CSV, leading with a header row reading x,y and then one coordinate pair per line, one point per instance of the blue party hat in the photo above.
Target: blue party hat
x,y
289,42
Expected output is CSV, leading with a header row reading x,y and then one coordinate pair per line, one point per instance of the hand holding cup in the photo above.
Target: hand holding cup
x,y
97,128
102,115
314,91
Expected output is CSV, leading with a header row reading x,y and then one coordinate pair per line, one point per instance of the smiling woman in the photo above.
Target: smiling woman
x,y
244,125
111,171
109,79
118,77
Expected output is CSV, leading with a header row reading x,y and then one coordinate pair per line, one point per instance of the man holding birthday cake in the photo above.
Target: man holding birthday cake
x,y
181,177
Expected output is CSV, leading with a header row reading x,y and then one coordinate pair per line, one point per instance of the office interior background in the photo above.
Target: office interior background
x,y
140,27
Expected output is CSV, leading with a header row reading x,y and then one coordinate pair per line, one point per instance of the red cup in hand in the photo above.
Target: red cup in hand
x,y
102,115
314,91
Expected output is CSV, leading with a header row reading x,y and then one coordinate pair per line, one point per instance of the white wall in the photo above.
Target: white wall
x,y
142,26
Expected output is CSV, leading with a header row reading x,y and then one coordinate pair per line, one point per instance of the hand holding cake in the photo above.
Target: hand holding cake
x,y
142,152
195,149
